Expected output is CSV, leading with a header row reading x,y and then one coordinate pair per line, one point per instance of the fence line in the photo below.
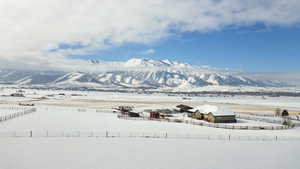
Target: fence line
x,y
160,135
295,117
207,124
292,117
17,114
260,118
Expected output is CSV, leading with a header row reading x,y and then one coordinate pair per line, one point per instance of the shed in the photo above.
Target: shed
x,y
124,109
154,115
133,114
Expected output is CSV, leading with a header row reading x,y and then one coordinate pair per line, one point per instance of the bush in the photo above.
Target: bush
x,y
278,112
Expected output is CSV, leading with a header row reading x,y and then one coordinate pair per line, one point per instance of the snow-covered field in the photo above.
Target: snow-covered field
x,y
9,109
116,153
92,111
73,119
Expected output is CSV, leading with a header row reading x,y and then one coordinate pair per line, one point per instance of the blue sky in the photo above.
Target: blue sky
x,y
254,49
249,35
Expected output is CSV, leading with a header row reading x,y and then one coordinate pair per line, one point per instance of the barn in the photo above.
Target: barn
x,y
198,115
154,115
213,114
216,117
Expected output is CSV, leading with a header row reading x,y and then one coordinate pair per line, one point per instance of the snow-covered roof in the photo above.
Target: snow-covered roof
x,y
223,113
207,108
216,111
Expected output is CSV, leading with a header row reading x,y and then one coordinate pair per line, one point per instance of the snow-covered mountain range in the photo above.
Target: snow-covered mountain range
x,y
136,73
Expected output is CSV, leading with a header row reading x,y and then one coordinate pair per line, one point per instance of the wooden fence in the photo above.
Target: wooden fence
x,y
16,114
292,117
161,135
275,120
214,125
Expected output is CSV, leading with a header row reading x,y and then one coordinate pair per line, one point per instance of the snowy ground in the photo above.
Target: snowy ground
x,y
115,153
6,109
92,111
74,119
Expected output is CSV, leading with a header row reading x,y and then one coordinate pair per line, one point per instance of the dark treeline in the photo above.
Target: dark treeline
x,y
190,94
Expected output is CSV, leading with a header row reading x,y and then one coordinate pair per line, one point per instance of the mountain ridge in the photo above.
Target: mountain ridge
x,y
137,73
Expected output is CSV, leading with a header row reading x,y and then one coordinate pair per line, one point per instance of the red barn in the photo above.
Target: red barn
x,y
154,115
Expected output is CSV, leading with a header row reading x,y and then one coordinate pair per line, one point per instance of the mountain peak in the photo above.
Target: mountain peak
x,y
136,72
145,62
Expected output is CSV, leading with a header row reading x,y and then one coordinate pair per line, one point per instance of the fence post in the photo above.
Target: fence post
x,y
106,134
30,133
229,137
166,136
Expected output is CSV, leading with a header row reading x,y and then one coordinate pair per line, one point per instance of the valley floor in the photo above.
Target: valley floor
x,y
83,153
75,111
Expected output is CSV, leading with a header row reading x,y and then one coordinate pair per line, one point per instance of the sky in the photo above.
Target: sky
x,y
254,36
252,49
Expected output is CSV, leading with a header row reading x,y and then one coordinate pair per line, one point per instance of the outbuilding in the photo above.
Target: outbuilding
x,y
133,114
223,117
154,115
184,108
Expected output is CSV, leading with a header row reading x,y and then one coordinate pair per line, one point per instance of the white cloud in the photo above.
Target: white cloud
x,y
148,52
31,28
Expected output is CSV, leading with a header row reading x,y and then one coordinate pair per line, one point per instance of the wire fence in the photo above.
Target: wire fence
x,y
292,117
16,114
259,118
154,135
275,120
214,125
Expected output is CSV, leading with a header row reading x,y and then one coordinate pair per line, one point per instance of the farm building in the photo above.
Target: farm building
x,y
159,113
133,114
17,95
124,109
165,113
127,111
214,117
198,115
26,104
184,108
212,114
154,115
220,117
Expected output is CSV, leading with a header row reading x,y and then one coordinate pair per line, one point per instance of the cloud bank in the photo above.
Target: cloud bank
x,y
32,31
